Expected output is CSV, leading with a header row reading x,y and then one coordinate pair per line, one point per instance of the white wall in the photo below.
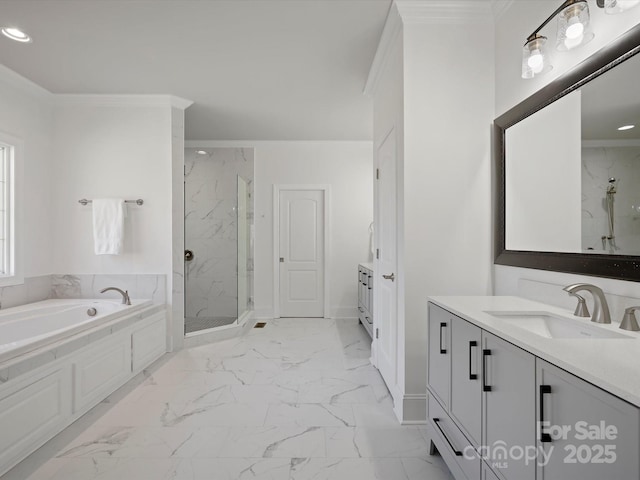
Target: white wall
x,y
512,28
447,173
112,151
347,167
26,113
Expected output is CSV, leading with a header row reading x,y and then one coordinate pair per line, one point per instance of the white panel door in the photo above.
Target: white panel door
x,y
301,253
386,317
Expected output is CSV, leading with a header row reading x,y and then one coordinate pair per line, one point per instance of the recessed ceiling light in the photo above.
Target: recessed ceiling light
x,y
16,34
626,127
201,152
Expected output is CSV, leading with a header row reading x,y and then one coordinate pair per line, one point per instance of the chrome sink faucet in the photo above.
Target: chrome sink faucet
x,y
125,294
600,306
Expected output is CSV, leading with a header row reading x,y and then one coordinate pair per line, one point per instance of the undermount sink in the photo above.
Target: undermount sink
x,y
548,325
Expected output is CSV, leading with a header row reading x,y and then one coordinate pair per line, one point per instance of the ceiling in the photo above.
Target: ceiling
x,y
256,69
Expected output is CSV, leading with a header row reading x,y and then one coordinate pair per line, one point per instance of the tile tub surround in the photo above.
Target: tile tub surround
x,y
607,363
34,289
211,229
89,286
295,400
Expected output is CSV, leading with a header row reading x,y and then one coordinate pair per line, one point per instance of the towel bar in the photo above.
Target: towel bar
x,y
139,201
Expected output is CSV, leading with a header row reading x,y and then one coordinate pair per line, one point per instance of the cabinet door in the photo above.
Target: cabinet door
x,y
508,382
439,355
593,435
466,391
360,287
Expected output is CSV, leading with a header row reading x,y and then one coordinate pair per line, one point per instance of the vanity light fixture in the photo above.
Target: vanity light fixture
x,y
573,30
16,34
626,127
618,6
201,152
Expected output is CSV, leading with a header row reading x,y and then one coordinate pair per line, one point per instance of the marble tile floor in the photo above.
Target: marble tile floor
x,y
296,400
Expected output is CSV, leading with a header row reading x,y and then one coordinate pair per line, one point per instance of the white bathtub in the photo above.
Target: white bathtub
x,y
57,362
28,327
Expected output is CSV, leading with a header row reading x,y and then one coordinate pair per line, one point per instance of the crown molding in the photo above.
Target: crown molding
x,y
424,12
390,35
447,12
17,81
99,100
499,7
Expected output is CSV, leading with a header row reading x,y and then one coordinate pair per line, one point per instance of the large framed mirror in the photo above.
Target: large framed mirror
x,y
567,176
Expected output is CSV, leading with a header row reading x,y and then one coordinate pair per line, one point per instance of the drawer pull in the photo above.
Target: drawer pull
x,y
544,436
472,344
443,351
485,353
361,309
457,453
368,320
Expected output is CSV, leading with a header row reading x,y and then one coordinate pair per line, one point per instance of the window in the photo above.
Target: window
x,y
10,148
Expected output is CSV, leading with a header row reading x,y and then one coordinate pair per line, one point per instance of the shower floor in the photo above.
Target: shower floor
x,y
195,324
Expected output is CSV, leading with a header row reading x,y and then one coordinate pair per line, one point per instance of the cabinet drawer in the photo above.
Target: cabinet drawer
x,y
451,442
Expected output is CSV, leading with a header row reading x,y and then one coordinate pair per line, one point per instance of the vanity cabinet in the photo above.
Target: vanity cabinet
x,y
590,434
365,297
486,395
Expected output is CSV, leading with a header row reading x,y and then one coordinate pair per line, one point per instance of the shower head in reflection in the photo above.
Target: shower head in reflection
x,y
611,188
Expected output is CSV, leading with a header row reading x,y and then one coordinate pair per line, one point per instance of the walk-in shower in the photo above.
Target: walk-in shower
x,y
218,237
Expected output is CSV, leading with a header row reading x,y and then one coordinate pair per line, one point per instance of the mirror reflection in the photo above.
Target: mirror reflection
x,y
572,170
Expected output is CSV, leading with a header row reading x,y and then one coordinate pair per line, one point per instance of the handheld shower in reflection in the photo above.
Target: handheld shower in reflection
x,y
609,201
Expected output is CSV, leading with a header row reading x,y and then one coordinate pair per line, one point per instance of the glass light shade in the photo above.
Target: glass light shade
x,y
573,26
619,6
534,57
16,34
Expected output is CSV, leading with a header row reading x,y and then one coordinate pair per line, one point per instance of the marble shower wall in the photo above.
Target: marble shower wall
x,y
211,229
598,165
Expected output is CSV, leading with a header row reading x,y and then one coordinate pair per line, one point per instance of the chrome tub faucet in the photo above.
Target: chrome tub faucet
x,y
125,294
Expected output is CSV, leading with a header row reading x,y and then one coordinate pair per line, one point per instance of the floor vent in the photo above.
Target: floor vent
x,y
260,325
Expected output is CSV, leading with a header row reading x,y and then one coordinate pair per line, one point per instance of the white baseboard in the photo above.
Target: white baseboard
x,y
410,408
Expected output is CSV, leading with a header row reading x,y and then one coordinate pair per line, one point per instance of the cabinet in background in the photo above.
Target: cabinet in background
x,y
365,297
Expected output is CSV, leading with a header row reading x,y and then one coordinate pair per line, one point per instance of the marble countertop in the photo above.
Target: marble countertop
x,y
612,364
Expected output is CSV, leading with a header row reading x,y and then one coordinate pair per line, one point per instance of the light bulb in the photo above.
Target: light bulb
x,y
575,28
573,42
535,60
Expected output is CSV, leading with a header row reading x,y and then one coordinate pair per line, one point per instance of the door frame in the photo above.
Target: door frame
x,y
326,195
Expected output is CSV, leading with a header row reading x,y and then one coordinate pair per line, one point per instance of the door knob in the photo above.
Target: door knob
x,y
188,255
391,277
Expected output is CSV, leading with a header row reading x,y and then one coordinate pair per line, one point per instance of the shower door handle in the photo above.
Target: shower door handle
x,y
188,255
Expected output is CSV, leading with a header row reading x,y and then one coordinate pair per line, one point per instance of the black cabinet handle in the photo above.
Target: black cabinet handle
x,y
457,453
361,309
368,320
485,353
544,436
443,351
472,376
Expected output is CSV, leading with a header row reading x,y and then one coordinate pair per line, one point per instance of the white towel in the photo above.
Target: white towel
x,y
108,225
